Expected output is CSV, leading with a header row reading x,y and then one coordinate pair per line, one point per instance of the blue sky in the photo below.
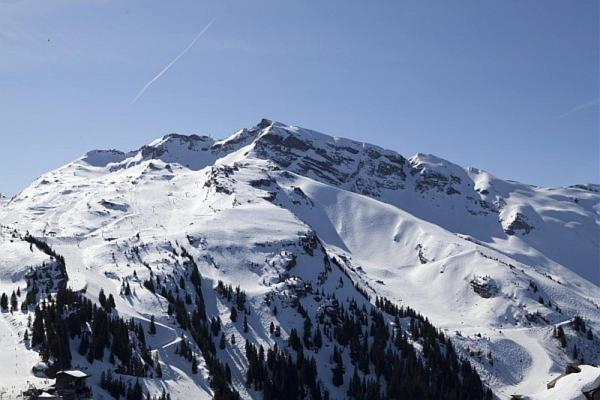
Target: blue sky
x,y
507,86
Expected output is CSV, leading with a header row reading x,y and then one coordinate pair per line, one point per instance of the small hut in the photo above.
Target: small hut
x,y
571,368
71,384
48,396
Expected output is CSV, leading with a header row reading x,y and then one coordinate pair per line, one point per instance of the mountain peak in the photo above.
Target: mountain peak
x,y
179,138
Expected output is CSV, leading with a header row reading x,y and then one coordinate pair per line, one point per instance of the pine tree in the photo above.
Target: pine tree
x,y
110,303
13,301
294,341
102,298
222,342
560,334
355,386
194,366
83,345
4,302
227,373
490,357
245,324
338,369
37,331
317,339
152,328
158,369
271,328
306,337
233,315
136,391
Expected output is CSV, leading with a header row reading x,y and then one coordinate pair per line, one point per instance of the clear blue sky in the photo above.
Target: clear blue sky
x,y
509,86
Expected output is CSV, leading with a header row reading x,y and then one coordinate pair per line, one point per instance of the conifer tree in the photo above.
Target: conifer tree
x,y
136,391
560,334
37,330
4,302
294,341
13,301
317,339
152,328
222,342
227,373
338,369
110,303
84,345
102,298
158,369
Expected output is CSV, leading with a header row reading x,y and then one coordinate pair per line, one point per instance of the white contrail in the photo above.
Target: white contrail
x,y
169,65
580,107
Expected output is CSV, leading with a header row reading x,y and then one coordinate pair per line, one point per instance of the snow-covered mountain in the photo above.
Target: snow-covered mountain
x,y
316,231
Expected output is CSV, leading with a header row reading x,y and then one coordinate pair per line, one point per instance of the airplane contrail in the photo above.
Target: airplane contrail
x,y
580,107
169,65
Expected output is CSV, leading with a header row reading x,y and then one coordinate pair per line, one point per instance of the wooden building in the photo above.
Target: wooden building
x,y
71,385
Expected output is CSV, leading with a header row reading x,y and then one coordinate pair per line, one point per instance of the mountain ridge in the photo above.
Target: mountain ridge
x,y
384,174
299,219
250,134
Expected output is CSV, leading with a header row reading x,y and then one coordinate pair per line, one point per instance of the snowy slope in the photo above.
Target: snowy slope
x,y
16,358
496,264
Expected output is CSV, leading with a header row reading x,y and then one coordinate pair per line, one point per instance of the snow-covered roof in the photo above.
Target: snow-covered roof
x,y
46,396
74,373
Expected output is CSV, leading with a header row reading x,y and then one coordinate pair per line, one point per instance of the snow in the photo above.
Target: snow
x,y
241,205
16,359
572,386
74,373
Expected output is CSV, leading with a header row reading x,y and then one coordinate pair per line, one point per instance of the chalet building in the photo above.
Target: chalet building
x,y
591,394
570,369
71,385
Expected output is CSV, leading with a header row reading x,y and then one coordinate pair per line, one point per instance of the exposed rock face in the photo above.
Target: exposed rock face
x,y
484,286
356,166
519,224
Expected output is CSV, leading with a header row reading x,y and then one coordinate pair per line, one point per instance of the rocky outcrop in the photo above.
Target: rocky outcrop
x,y
484,286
